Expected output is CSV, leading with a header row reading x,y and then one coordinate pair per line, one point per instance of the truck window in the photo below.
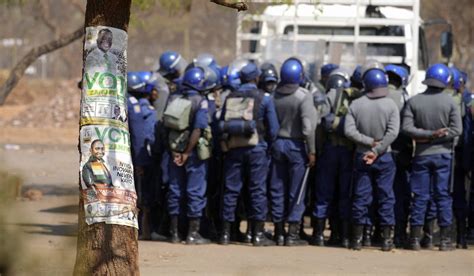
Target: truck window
x,y
373,49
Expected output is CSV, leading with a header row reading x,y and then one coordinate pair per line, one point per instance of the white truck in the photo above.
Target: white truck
x,y
346,32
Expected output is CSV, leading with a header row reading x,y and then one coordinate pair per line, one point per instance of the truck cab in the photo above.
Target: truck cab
x,y
345,32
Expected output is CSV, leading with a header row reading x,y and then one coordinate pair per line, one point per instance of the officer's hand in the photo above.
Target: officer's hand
x,y
375,143
184,158
440,133
177,158
369,157
311,160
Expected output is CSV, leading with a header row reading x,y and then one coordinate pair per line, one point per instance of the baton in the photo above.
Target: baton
x,y
453,157
303,184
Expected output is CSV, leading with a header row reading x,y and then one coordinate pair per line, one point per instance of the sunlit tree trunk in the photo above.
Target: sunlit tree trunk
x,y
105,249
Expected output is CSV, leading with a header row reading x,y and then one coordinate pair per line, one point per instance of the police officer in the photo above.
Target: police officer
x,y
325,72
185,119
333,175
268,79
171,67
433,120
460,205
248,116
373,123
469,151
293,152
212,89
456,179
356,79
372,232
402,150
142,121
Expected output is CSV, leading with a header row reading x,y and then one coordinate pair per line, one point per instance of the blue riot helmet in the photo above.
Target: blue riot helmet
x,y
396,74
326,69
211,74
137,83
339,78
269,74
223,74
374,79
438,75
212,78
269,77
456,79
194,78
292,71
233,72
206,59
371,64
405,75
145,76
356,78
171,64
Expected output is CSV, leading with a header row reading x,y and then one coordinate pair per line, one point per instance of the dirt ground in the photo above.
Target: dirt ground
x,y
45,231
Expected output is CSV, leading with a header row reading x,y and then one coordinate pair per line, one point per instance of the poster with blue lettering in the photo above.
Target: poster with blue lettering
x,y
106,169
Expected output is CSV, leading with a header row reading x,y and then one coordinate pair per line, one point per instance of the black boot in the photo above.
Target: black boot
x,y
445,243
345,234
225,235
461,241
259,238
387,238
367,236
470,225
356,243
174,238
293,237
415,234
249,233
400,238
318,232
279,235
335,236
193,233
428,229
376,235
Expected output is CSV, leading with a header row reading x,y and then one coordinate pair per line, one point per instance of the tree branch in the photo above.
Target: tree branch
x,y
19,69
239,6
44,15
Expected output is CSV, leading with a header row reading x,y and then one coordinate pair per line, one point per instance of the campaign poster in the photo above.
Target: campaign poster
x,y
106,169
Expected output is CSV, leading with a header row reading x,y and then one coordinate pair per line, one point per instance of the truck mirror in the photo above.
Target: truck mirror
x,y
447,44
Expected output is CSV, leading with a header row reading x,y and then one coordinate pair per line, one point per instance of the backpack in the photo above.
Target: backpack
x,y
177,114
241,113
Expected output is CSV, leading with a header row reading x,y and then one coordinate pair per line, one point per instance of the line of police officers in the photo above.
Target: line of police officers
x,y
240,140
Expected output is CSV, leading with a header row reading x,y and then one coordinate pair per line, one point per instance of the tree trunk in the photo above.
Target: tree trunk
x,y
105,249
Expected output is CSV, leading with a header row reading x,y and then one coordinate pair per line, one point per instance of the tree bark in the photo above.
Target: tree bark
x,y
106,249
239,6
19,69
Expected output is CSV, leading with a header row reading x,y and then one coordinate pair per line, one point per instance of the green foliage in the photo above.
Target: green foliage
x,y
172,6
10,3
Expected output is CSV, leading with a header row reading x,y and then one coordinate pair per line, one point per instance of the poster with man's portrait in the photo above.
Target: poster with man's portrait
x,y
106,173
105,50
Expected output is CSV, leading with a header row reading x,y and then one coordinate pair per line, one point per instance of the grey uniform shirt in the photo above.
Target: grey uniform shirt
x,y
427,112
296,114
370,120
163,94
